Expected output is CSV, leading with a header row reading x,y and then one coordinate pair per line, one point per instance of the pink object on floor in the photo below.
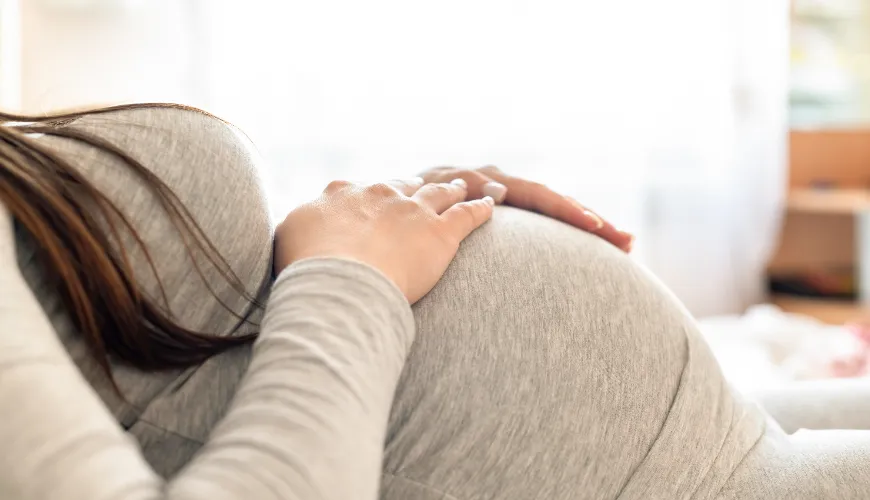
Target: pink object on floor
x,y
858,363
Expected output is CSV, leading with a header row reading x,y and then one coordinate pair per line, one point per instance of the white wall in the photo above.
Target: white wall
x,y
10,55
83,53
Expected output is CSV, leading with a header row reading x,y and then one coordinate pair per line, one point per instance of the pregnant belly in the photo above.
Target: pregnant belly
x,y
548,364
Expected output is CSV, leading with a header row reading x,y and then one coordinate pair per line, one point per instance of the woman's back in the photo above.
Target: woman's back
x,y
209,166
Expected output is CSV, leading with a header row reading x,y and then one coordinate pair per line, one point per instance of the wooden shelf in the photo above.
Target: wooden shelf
x,y
827,228
835,312
829,201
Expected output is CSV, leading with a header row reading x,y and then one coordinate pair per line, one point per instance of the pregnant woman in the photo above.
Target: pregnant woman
x,y
146,352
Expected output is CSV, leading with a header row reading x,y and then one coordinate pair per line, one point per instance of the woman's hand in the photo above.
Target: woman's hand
x,y
408,231
528,195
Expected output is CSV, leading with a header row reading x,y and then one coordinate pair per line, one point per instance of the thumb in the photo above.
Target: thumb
x,y
463,218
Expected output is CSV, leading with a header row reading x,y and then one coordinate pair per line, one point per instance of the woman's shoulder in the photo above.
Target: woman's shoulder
x,y
183,147
148,126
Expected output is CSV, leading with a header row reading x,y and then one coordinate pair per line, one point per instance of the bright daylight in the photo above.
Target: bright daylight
x,y
454,250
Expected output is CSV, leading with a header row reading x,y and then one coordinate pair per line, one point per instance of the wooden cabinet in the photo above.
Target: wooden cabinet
x,y
827,221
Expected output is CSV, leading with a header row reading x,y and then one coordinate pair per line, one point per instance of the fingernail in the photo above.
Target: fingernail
x,y
496,190
599,223
418,181
459,182
489,200
595,218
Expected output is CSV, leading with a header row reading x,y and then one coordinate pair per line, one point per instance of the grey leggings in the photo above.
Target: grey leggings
x,y
547,365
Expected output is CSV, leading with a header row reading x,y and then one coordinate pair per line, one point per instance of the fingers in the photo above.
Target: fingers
x,y
407,186
528,195
479,184
604,229
463,218
495,186
571,211
439,197
539,198
495,190
535,196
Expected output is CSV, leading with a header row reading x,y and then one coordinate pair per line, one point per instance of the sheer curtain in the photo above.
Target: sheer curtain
x,y
667,117
718,160
387,87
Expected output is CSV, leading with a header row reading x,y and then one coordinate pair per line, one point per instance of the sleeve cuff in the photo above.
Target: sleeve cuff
x,y
359,285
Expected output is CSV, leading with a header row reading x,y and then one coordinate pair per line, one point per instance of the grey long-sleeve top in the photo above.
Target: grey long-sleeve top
x,y
308,420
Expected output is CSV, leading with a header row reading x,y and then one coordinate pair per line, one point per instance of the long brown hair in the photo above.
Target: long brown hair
x,y
75,226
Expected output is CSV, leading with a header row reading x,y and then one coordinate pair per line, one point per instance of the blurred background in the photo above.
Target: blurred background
x,y
730,135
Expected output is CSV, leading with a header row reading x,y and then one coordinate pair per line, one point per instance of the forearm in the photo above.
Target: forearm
x,y
308,421
314,405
